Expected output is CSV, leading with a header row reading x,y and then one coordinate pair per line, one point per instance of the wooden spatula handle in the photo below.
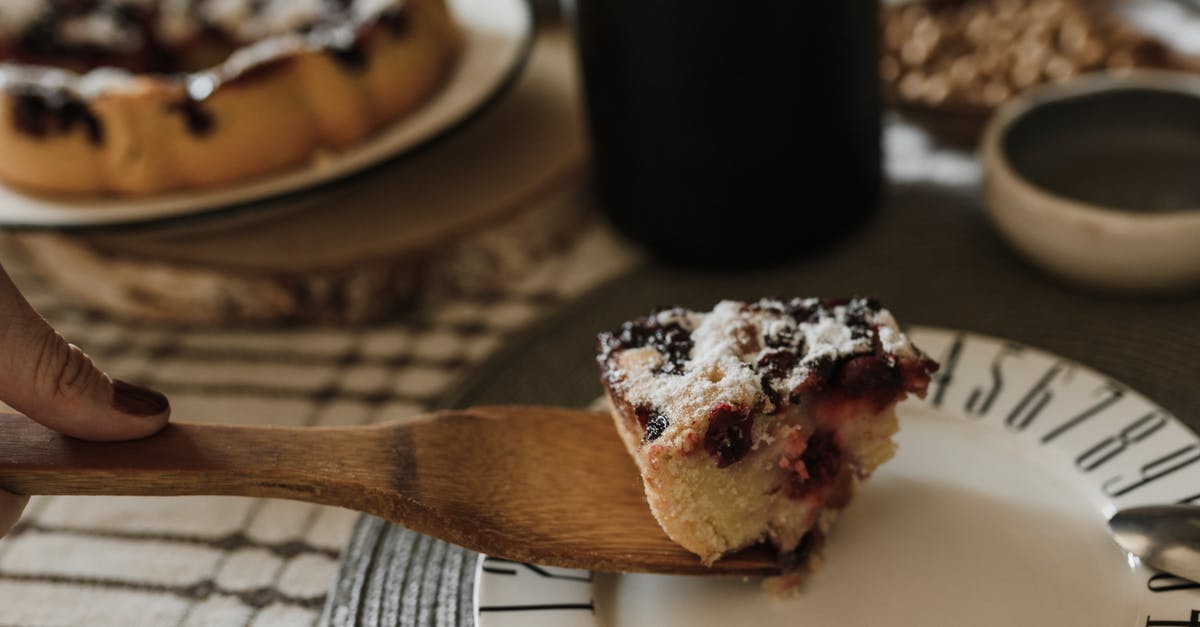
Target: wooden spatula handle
x,y
535,484
310,464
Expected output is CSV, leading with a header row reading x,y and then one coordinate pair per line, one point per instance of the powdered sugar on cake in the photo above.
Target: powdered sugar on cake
x,y
755,421
738,348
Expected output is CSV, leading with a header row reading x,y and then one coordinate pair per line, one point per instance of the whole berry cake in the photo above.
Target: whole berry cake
x,y
755,421
144,96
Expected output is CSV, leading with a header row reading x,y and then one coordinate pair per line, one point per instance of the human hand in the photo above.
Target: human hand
x,y
56,384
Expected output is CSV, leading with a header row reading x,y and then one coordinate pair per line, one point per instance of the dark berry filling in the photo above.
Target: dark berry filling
x,y
643,414
784,336
798,558
822,457
771,393
778,364
869,372
820,371
670,339
353,56
655,427
397,20
198,119
821,461
137,49
774,366
653,423
729,436
40,112
870,375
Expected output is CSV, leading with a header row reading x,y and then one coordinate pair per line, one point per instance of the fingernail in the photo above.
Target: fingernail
x,y
136,400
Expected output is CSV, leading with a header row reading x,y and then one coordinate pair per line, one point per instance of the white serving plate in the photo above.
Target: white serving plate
x,y
992,513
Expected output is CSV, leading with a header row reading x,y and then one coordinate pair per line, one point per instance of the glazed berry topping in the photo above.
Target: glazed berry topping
x,y
198,119
820,371
773,366
655,427
771,393
353,57
865,374
670,339
729,435
676,344
134,45
653,423
780,334
44,111
778,364
858,314
396,19
781,337
804,310
822,458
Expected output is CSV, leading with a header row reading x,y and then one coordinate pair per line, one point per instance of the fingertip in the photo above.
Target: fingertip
x,y
140,412
11,506
116,410
139,401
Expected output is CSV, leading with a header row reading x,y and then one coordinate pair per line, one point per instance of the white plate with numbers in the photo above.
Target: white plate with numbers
x,y
992,513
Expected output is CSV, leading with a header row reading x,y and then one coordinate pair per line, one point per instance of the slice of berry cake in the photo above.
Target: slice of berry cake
x,y
755,421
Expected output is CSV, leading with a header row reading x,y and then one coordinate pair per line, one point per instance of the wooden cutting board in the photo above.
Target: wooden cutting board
x,y
465,214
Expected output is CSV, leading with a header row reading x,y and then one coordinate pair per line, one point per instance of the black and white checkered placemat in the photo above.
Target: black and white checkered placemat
x,y
192,561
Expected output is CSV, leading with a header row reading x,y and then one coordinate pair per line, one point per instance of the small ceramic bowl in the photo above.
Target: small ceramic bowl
x,y
1098,179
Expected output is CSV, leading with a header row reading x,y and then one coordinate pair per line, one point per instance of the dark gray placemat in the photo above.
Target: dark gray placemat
x,y
932,259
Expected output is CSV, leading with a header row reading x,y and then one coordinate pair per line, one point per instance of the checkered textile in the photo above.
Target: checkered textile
x,y
193,561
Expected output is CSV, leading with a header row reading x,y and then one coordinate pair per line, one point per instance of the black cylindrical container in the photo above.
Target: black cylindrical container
x,y
729,134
